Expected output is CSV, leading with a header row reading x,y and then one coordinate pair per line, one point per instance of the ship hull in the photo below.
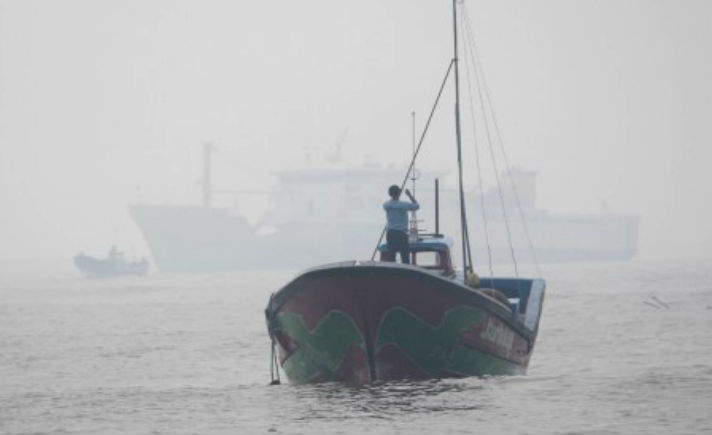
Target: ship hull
x,y
185,239
188,239
360,323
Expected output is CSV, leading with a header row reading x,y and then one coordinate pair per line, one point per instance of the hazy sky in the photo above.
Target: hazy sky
x,y
106,103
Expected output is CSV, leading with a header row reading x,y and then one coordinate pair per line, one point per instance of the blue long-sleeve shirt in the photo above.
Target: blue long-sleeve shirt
x,y
397,214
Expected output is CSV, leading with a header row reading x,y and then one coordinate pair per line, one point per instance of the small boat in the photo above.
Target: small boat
x,y
115,264
359,322
366,321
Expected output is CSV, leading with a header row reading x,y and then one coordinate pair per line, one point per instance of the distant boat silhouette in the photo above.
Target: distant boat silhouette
x,y
115,264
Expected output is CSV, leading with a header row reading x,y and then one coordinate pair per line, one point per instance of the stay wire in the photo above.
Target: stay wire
x,y
491,148
420,144
466,253
477,161
500,141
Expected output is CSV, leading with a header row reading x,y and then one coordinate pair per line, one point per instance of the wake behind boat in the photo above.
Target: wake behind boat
x,y
360,322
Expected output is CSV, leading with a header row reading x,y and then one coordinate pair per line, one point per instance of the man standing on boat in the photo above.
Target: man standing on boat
x,y
397,226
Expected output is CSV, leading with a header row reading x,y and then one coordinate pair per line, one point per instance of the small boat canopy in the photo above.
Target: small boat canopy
x,y
425,243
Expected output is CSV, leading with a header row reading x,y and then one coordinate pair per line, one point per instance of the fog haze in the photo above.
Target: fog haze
x,y
104,104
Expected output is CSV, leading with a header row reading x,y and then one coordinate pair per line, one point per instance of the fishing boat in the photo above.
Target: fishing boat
x,y
366,321
115,264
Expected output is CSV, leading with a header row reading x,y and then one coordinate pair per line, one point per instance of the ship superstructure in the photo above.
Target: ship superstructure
x,y
336,211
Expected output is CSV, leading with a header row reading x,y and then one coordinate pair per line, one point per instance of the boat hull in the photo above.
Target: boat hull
x,y
109,267
363,322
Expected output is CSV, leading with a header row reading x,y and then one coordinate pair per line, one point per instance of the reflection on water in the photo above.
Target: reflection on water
x,y
334,401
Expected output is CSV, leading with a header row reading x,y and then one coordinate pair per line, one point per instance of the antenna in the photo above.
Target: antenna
x,y
413,176
208,149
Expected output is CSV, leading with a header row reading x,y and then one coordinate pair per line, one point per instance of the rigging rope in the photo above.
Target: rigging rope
x,y
491,148
477,162
420,143
500,141
466,253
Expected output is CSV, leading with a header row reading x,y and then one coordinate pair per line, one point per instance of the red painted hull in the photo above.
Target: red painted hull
x,y
364,322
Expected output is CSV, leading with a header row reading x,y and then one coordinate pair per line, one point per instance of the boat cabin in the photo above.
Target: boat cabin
x,y
429,251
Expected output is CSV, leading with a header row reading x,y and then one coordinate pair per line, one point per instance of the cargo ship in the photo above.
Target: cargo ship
x,y
336,211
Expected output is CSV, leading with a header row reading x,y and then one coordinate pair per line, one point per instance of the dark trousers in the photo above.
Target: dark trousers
x,y
398,242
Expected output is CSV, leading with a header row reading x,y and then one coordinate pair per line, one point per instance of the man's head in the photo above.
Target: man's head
x,y
394,191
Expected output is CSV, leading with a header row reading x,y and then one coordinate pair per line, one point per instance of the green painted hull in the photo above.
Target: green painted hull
x,y
359,323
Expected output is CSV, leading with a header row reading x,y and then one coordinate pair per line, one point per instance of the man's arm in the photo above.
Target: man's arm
x,y
415,204
410,195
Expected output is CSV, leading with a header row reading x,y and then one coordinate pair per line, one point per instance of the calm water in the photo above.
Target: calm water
x,y
190,355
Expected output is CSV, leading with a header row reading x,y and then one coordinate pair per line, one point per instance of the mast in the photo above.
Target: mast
x,y
437,206
466,266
